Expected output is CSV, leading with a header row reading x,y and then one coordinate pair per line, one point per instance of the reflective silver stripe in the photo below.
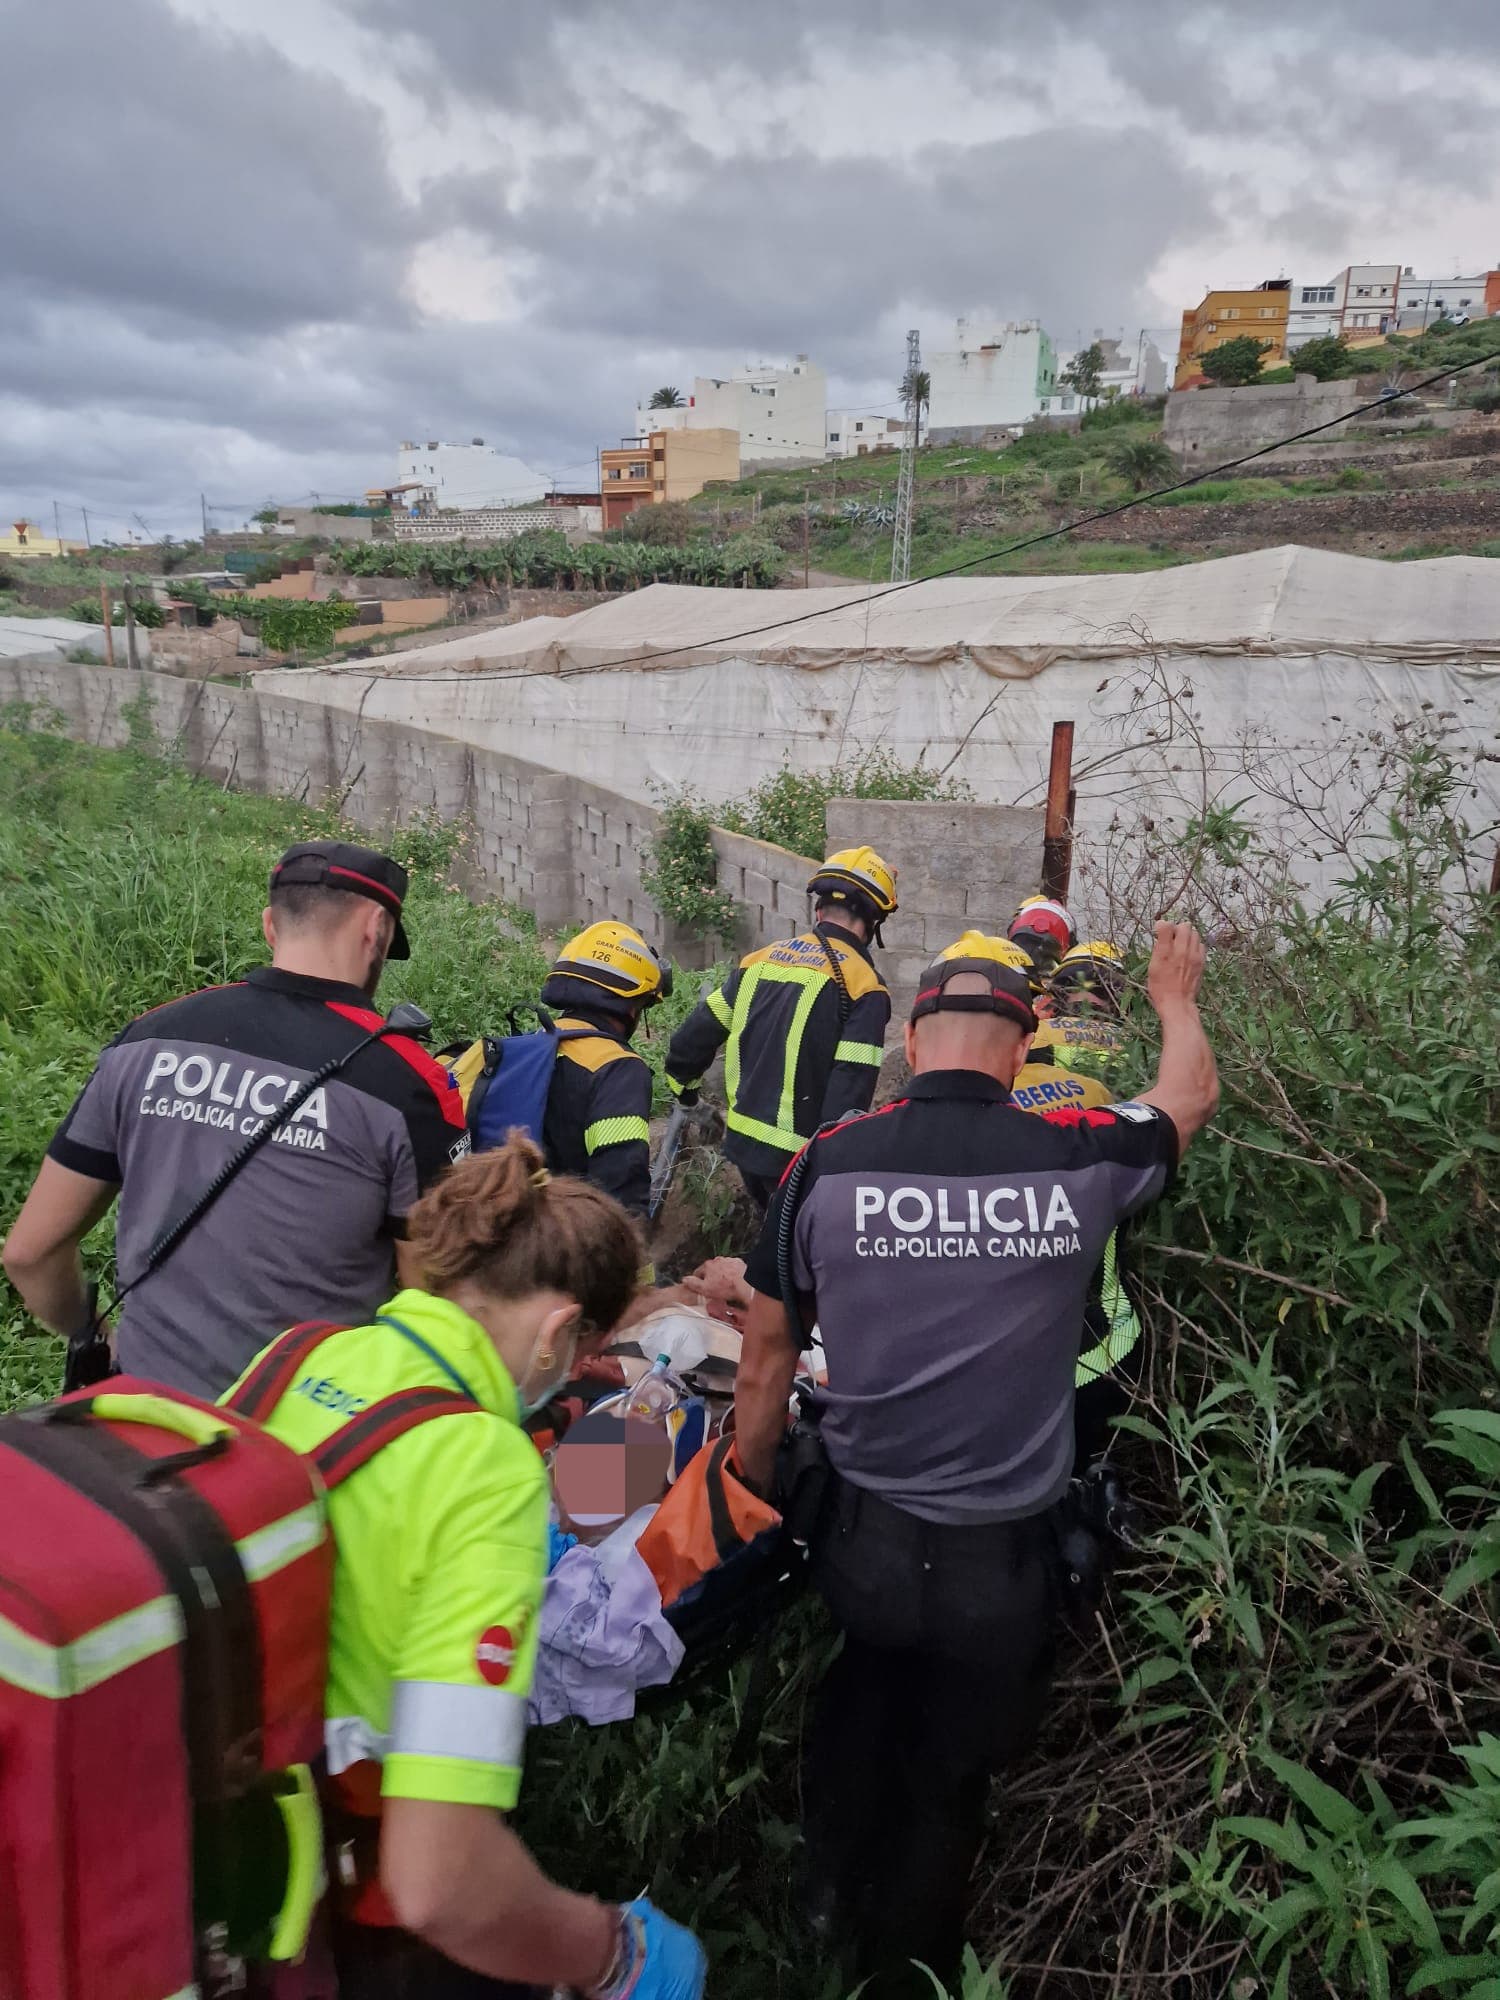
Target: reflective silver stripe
x,y
270,1549
58,1671
473,1725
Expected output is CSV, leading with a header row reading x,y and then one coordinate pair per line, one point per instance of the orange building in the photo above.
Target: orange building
x,y
664,465
1260,313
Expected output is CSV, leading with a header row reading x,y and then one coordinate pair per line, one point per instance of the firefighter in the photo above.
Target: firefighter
x,y
1084,998
442,1550
1044,929
599,1103
804,1021
944,1248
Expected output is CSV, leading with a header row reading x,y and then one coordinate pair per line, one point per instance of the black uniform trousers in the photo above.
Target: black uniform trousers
x,y
943,1678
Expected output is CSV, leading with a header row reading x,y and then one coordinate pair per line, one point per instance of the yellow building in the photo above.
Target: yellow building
x,y
664,465
1260,313
22,540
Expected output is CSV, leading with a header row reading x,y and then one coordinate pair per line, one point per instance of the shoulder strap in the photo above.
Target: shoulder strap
x,y
356,1443
271,1376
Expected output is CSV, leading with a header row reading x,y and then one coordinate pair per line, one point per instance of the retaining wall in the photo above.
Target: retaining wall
x,y
565,849
962,867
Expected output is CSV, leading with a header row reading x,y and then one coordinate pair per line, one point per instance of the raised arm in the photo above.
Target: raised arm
x,y
1187,1078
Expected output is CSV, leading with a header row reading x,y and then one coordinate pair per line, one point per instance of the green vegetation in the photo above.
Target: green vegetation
x,y
682,871
1272,1775
790,808
545,560
1235,362
1142,462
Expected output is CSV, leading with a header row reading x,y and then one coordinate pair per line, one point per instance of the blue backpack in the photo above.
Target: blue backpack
x,y
504,1080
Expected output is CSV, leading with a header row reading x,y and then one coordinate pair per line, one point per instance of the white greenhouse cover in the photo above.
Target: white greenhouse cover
x,y
1291,650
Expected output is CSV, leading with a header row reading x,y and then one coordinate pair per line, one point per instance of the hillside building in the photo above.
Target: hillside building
x,y
466,475
994,378
1260,312
663,465
854,433
1131,368
780,413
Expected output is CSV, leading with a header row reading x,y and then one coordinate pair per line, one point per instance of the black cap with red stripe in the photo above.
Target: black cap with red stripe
x,y
333,864
1006,969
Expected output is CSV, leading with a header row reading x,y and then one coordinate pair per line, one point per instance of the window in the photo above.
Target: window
x,y
1413,302
833,437
1268,312
770,392
1317,295
1231,312
1361,291
860,425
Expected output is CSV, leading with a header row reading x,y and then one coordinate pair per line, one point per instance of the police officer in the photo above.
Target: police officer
x,y
804,1021
944,1247
442,1553
599,1104
309,1228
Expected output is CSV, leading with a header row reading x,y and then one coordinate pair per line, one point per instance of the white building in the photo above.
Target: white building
x,y
853,433
1359,301
1131,368
780,413
1419,301
995,378
467,475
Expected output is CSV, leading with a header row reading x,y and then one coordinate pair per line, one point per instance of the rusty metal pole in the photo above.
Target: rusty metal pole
x,y
1057,833
1495,874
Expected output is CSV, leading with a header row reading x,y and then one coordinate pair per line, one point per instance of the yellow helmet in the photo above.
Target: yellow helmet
x,y
616,961
1096,968
857,876
1012,979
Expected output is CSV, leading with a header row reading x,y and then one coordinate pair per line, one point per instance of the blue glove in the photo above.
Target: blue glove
x,y
558,1545
665,1962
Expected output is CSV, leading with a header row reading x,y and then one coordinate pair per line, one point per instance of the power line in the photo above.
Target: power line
x,y
1381,402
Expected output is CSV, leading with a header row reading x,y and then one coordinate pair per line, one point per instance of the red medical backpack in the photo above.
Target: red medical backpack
x,y
165,1577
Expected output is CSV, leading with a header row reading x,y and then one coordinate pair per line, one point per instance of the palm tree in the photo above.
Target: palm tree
x,y
916,389
665,399
1144,462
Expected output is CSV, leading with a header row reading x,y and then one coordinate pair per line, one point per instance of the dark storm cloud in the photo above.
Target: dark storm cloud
x,y
207,253
148,164
811,253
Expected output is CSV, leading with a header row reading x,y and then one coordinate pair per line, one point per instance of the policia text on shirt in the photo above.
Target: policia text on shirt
x,y
945,1247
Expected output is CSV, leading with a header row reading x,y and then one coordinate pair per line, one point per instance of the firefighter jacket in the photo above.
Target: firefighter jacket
x,y
802,1024
597,1111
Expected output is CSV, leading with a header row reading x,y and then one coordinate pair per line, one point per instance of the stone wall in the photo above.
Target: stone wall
x,y
1205,424
332,527
491,524
1316,521
962,867
567,850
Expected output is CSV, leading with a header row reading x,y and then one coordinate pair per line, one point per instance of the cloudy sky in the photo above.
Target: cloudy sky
x,y
245,248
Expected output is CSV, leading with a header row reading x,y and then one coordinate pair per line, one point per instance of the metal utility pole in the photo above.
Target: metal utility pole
x,y
203,506
906,482
57,525
88,540
806,507
107,612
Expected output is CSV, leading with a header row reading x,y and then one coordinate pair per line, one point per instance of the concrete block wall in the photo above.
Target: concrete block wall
x,y
567,850
960,867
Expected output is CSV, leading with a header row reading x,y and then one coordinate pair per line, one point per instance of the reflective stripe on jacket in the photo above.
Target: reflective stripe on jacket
x,y
797,1053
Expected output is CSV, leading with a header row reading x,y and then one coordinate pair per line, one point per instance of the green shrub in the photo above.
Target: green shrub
x,y
682,870
790,809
